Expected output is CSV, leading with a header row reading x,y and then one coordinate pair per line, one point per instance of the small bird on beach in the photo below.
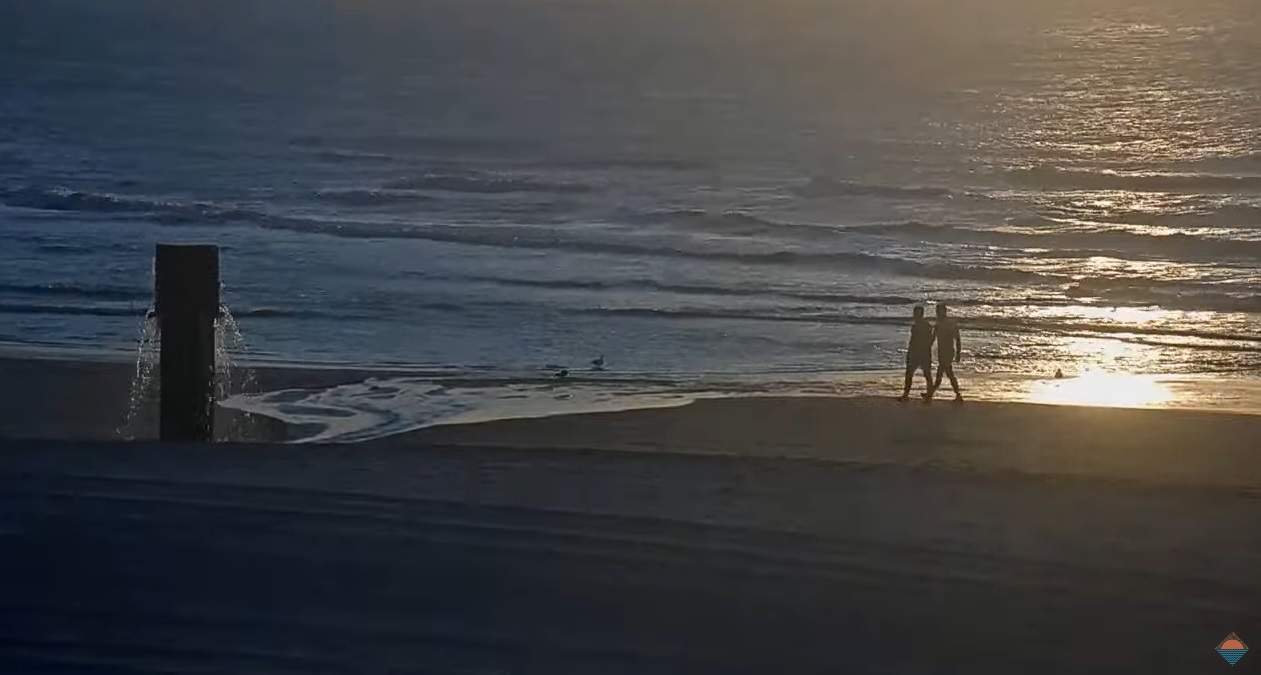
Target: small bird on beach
x,y
1059,374
598,364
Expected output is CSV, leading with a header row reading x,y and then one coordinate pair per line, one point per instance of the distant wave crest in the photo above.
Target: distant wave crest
x,y
694,289
1175,297
722,222
633,163
1224,215
412,144
66,199
338,156
1149,181
534,238
138,310
1080,242
69,290
484,183
1241,342
826,186
372,197
162,211
1112,291
69,310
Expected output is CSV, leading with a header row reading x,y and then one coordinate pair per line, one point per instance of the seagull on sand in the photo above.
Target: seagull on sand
x,y
598,364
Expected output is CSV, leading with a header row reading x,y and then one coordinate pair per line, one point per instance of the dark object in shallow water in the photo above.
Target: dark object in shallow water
x,y
186,302
562,374
1059,374
598,364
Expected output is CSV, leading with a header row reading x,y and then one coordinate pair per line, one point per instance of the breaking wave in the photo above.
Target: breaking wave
x,y
534,238
592,242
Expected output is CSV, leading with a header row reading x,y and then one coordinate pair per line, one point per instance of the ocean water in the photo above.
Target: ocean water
x,y
693,188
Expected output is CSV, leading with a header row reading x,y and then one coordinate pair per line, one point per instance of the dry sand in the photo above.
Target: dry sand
x,y
774,535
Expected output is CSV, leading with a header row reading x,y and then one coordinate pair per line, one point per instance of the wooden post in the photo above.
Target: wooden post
x,y
186,300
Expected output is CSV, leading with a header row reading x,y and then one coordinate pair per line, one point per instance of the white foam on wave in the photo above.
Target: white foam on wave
x,y
377,408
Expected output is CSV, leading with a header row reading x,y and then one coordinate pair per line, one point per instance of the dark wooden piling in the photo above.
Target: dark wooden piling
x,y
186,300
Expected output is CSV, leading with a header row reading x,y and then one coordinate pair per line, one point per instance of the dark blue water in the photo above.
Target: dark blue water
x,y
691,186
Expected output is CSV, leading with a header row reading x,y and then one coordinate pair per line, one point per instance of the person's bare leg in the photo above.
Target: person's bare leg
x,y
954,381
906,387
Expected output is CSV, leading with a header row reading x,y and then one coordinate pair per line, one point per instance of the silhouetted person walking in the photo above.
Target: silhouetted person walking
x,y
919,354
949,347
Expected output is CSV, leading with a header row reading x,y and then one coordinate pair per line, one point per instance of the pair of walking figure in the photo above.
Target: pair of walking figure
x,y
919,353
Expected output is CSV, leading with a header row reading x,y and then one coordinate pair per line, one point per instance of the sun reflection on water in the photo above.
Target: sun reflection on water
x,y
1105,389
1108,378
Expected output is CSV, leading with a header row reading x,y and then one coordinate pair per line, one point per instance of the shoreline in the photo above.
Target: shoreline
x,y
85,401
88,399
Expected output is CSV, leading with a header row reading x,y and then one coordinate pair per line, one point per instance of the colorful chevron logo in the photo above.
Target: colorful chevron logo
x,y
1232,649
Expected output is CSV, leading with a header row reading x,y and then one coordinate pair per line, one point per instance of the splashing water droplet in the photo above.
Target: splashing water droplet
x,y
231,377
142,405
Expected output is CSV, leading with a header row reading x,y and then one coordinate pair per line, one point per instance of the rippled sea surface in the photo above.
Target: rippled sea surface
x,y
686,186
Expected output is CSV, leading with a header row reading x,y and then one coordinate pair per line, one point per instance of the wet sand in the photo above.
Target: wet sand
x,y
54,398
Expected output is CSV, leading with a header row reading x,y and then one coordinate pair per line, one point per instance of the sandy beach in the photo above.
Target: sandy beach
x,y
1161,447
564,337
743,535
